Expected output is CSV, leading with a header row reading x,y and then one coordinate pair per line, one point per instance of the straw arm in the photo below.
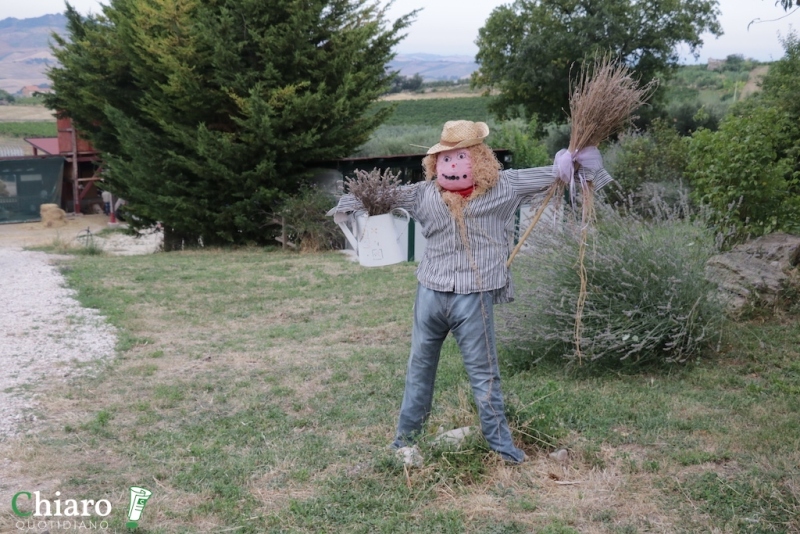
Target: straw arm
x,y
535,220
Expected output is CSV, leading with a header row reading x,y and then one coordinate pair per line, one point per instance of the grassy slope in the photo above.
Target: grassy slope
x,y
257,392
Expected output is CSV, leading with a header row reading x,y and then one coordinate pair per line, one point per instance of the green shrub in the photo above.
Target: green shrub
x,y
557,138
688,117
748,172
392,140
307,226
743,174
781,82
656,156
648,300
520,139
679,93
36,100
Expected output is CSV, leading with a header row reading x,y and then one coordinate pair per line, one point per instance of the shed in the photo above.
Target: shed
x,y
81,169
26,183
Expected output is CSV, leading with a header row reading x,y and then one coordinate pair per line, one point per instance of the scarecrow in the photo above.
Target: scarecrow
x,y
465,209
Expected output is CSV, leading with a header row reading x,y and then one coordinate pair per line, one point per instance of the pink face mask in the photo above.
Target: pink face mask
x,y
454,169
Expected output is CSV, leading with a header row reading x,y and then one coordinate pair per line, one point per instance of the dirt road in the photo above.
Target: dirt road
x,y
35,234
755,77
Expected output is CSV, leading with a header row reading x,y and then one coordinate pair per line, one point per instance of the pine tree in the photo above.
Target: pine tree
x,y
208,111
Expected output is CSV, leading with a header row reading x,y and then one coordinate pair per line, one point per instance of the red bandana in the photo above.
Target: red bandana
x,y
465,192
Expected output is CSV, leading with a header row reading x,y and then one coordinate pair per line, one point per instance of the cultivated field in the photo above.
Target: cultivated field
x,y
25,114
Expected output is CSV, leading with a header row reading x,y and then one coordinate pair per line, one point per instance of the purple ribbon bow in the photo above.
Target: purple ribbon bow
x,y
564,166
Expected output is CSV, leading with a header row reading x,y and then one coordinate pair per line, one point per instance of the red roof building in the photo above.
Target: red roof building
x,y
81,163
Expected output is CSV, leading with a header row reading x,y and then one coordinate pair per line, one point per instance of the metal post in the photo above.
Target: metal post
x,y
412,231
76,201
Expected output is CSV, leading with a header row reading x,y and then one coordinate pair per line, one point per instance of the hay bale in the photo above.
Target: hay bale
x,y
52,216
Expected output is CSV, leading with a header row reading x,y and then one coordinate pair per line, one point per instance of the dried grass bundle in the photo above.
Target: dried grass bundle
x,y
52,216
602,103
378,193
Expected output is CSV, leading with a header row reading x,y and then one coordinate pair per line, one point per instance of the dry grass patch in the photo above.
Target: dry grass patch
x,y
587,499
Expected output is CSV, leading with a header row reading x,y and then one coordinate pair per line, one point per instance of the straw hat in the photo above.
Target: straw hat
x,y
460,134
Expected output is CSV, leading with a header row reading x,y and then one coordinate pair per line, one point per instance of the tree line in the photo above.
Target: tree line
x,y
209,113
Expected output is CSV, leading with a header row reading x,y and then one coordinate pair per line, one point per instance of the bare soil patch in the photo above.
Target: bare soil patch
x,y
36,234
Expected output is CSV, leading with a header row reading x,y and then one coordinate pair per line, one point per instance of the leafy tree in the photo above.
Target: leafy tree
x,y
208,112
528,49
779,85
520,138
5,95
749,170
734,62
407,83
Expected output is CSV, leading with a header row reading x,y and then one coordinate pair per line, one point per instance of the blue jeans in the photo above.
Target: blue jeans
x,y
471,319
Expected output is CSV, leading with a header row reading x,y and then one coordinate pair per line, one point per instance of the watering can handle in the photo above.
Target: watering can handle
x,y
408,217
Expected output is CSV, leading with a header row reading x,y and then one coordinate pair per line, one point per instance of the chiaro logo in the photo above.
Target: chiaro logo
x,y
34,508
71,507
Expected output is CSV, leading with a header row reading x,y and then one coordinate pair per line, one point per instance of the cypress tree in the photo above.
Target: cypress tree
x,y
207,112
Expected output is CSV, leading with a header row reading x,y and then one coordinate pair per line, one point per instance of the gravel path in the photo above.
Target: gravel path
x,y
45,336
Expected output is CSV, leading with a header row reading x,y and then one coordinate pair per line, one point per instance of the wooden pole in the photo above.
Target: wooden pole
x,y
76,201
535,220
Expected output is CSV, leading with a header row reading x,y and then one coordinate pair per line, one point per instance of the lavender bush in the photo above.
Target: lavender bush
x,y
648,299
378,192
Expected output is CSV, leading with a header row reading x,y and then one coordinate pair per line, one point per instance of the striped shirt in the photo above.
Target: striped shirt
x,y
447,265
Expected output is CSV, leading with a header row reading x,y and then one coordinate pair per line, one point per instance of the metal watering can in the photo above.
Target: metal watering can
x,y
378,239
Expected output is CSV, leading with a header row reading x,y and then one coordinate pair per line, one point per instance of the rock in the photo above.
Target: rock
x,y
453,437
756,272
411,456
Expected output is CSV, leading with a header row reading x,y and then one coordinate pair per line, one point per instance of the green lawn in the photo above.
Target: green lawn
x,y
257,391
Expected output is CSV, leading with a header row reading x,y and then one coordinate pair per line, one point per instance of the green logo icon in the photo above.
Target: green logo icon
x,y
139,498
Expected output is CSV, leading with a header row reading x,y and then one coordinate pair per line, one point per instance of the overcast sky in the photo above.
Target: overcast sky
x,y
450,27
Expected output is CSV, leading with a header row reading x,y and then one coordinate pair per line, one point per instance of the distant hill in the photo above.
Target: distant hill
x,y
25,50
433,68
25,55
